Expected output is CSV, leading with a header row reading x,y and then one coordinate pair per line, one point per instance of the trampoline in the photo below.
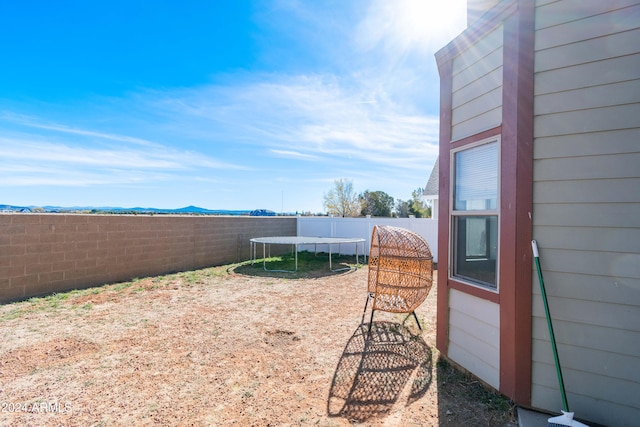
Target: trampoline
x,y
302,240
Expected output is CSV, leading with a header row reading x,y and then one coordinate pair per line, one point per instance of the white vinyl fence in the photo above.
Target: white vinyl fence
x,y
362,228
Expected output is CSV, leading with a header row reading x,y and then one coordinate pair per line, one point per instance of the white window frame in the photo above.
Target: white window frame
x,y
453,214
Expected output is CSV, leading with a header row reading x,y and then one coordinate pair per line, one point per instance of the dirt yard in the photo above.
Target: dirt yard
x,y
230,346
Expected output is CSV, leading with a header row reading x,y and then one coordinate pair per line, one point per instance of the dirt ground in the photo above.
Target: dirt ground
x,y
230,346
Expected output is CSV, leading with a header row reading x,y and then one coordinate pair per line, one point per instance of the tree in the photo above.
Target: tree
x,y
402,209
341,200
418,206
376,203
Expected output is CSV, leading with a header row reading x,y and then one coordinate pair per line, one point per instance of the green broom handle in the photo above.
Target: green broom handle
x,y
552,336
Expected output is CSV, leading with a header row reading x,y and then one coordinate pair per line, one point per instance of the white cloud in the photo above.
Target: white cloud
x,y
316,114
24,174
294,155
113,157
33,161
48,153
32,122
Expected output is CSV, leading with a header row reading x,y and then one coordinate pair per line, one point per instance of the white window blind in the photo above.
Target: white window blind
x,y
476,178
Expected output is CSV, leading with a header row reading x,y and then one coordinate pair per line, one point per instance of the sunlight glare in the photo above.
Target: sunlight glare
x,y
425,23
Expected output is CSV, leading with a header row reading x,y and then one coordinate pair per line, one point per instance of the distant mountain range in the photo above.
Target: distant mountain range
x,y
193,210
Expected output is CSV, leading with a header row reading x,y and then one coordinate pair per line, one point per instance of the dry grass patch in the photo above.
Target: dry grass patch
x,y
227,345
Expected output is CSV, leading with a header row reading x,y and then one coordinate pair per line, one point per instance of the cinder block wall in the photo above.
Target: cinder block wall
x,y
45,253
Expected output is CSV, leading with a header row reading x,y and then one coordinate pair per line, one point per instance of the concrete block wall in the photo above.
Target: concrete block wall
x,y
45,253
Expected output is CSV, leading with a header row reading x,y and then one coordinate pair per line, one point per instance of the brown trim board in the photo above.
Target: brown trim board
x,y
442,327
516,205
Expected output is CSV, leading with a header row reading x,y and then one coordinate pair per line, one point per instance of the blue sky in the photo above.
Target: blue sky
x,y
220,104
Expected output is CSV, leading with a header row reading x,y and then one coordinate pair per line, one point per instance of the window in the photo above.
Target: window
x,y
475,213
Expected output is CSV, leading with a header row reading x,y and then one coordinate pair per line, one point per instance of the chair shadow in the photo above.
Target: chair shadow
x,y
375,369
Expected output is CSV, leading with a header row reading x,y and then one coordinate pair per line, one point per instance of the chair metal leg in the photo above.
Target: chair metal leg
x,y
416,317
365,308
366,304
371,320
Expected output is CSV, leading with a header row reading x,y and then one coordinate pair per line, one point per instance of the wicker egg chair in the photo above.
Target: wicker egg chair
x,y
400,271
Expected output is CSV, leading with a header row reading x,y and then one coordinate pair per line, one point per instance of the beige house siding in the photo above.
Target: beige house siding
x,y
474,336
477,87
476,106
587,205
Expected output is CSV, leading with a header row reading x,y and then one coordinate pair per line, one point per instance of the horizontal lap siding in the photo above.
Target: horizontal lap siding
x,y
590,144
624,16
474,336
551,13
477,87
587,205
587,215
589,120
615,409
596,97
488,102
612,239
587,51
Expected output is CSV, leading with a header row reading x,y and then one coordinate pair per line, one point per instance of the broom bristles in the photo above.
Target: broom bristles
x,y
565,420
